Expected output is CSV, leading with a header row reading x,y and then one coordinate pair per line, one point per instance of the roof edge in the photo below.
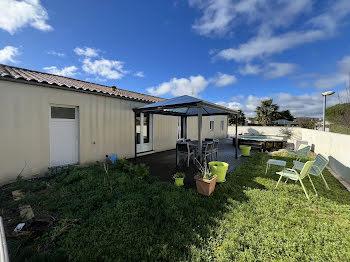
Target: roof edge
x,y
9,79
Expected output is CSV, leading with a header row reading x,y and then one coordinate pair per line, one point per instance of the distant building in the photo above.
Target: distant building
x,y
284,122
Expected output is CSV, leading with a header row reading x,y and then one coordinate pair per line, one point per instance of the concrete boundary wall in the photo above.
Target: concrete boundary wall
x,y
332,145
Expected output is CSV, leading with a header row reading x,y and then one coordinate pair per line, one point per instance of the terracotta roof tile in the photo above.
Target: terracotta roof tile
x,y
61,81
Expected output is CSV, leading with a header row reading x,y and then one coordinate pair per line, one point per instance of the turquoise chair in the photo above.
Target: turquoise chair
x,y
302,152
293,174
317,168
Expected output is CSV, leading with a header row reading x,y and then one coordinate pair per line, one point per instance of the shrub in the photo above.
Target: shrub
x,y
287,132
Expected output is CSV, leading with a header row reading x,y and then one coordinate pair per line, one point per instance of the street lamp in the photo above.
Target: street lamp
x,y
325,94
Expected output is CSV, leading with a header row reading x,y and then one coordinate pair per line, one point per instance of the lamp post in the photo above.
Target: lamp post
x,y
325,94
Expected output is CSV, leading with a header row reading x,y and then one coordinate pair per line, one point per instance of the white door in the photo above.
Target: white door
x,y
144,132
64,136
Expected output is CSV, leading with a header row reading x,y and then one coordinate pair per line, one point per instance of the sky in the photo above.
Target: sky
x,y
231,52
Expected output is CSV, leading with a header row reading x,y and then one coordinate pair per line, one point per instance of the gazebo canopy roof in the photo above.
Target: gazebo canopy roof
x,y
185,106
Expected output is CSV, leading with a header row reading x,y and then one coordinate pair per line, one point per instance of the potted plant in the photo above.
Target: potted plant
x,y
205,181
179,178
219,168
245,150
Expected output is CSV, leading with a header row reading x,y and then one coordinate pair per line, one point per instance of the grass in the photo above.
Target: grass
x,y
129,216
335,128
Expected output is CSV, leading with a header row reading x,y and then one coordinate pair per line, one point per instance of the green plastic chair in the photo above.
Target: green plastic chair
x,y
293,174
302,152
219,169
317,168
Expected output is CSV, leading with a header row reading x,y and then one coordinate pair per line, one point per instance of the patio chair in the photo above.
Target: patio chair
x,y
302,152
207,151
185,149
293,174
215,149
317,168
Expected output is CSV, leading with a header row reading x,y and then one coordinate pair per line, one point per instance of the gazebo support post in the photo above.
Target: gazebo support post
x,y
236,138
200,134
135,157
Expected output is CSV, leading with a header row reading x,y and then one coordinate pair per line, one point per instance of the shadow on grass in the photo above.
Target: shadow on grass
x,y
122,216
127,216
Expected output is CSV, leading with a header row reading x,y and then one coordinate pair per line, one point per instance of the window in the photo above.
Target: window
x,y
63,112
211,125
222,123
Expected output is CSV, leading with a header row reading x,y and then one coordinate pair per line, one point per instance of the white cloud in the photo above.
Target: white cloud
x,y
248,106
337,78
110,69
8,53
233,105
220,16
305,105
265,16
263,46
250,69
237,97
139,74
66,71
309,105
16,14
224,80
180,86
276,70
54,53
86,51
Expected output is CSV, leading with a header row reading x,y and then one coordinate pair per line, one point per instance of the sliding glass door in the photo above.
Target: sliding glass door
x,y
144,132
181,127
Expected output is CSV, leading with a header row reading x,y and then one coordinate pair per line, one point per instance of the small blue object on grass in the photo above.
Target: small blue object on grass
x,y
113,158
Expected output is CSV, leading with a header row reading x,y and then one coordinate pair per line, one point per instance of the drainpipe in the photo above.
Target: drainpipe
x,y
4,257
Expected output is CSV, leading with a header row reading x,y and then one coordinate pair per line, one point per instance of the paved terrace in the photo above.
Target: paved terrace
x,y
163,164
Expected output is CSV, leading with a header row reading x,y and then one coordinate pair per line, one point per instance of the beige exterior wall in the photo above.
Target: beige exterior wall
x,y
332,145
192,127
106,126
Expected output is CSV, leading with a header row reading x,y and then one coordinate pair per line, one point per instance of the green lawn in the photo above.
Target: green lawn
x,y
128,216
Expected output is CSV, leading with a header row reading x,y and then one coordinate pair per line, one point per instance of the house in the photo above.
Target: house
x,y
49,120
284,122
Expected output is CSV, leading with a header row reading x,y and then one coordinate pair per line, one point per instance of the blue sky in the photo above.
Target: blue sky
x,y
234,53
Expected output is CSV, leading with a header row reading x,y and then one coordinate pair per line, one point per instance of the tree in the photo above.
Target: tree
x,y
307,122
286,114
267,112
241,118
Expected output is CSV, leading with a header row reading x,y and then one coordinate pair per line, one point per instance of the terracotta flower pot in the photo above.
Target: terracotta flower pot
x,y
205,186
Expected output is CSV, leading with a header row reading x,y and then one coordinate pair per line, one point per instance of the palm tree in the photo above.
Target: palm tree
x,y
267,112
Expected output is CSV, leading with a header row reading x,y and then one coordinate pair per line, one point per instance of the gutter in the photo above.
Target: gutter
x,y
4,257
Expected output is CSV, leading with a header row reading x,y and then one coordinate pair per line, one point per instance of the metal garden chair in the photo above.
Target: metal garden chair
x,y
317,168
293,174
185,149
302,152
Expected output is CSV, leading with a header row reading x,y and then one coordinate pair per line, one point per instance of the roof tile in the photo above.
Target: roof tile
x,y
56,80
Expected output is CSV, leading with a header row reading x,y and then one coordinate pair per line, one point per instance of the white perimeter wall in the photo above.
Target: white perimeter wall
x,y
332,145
